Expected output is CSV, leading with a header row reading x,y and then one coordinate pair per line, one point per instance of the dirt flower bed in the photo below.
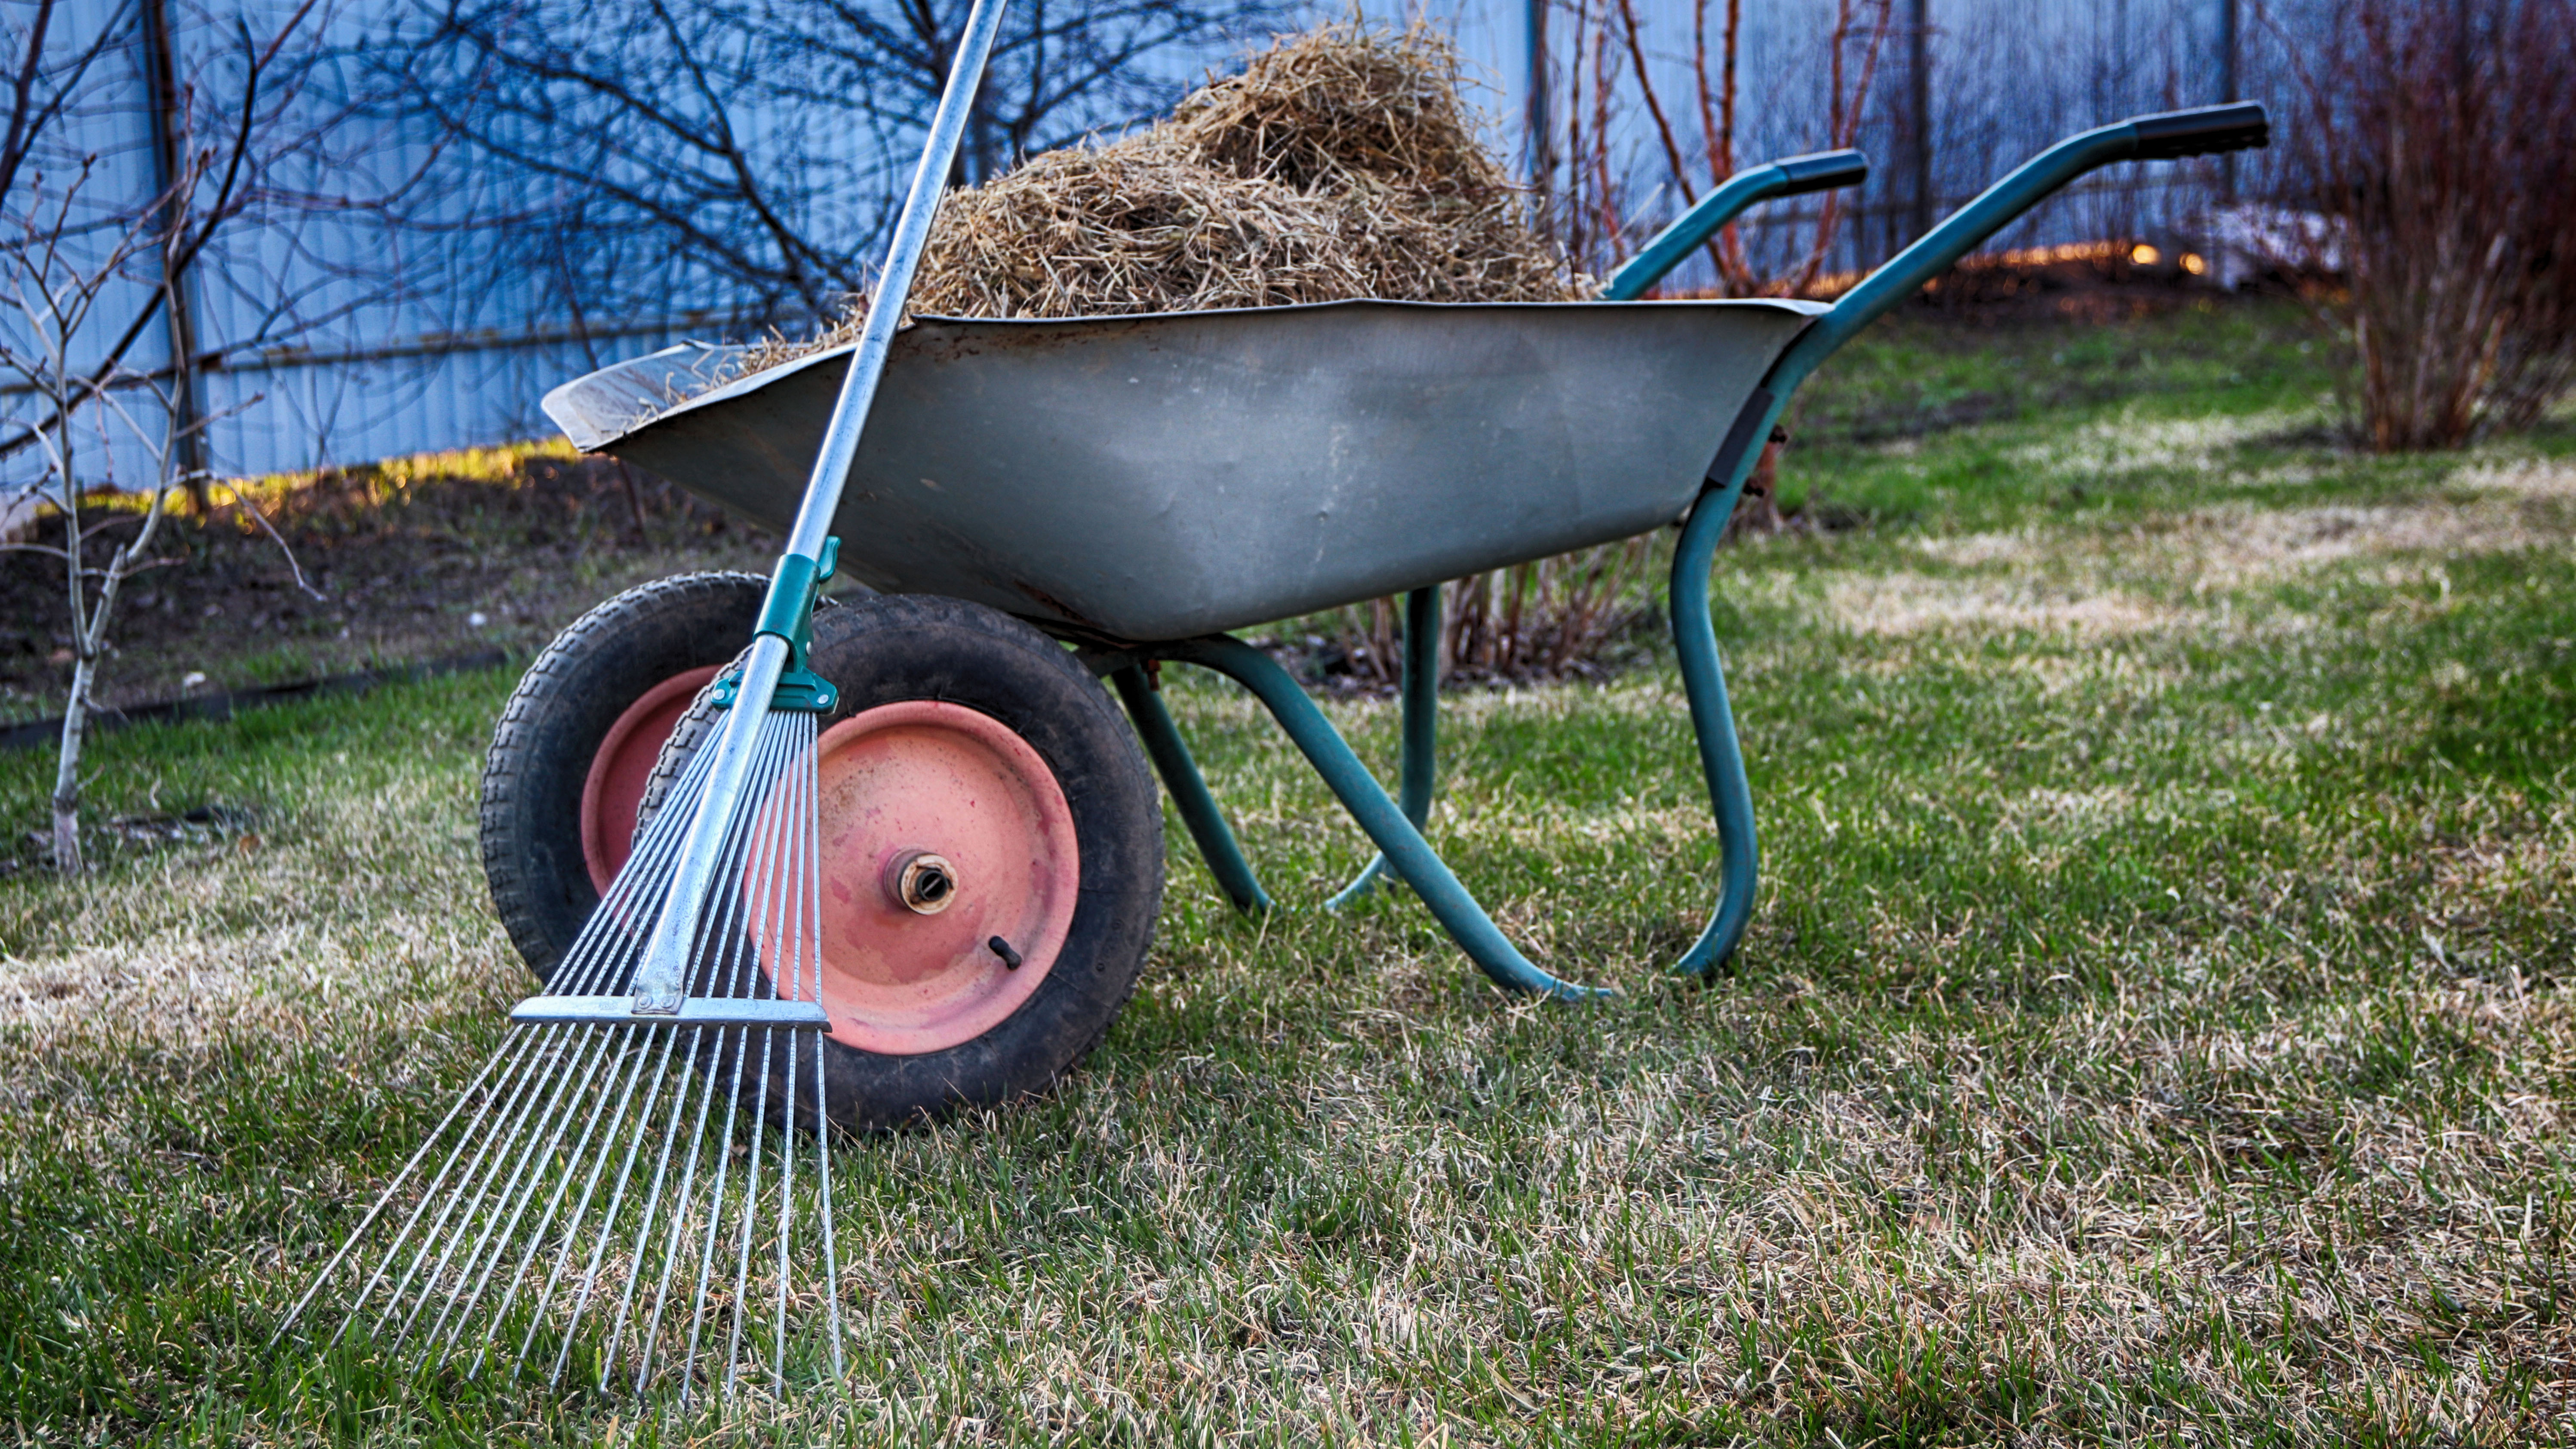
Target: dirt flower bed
x,y
412,559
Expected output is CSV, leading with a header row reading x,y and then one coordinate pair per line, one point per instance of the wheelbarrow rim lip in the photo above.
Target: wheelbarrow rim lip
x,y
754,381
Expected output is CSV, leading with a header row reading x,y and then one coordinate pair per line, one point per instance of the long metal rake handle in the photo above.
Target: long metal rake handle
x,y
661,980
894,286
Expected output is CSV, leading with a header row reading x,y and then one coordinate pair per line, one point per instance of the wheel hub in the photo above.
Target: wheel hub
x,y
921,881
942,833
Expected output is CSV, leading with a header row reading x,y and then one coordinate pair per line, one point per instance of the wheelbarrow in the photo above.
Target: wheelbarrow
x,y
1043,505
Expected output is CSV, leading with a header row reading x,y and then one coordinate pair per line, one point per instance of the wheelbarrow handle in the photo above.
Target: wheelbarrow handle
x,y
2203,131
2164,137
1789,176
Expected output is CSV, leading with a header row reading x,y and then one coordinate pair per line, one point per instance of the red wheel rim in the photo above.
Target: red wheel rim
x,y
622,768
927,781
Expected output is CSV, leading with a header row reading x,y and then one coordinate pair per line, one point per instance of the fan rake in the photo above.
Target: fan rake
x,y
634,1142
643,1177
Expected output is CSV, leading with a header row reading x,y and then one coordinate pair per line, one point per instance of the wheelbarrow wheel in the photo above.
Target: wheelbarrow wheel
x,y
578,740
991,858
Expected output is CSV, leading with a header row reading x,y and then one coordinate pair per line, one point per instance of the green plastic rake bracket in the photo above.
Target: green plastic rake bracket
x,y
788,612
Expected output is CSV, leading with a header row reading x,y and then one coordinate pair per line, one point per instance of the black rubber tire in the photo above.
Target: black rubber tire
x,y
552,728
896,647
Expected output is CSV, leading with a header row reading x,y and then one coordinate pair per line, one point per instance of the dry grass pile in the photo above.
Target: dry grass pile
x,y
1339,163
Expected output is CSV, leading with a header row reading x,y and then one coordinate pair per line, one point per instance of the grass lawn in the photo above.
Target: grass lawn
x,y
2156,1026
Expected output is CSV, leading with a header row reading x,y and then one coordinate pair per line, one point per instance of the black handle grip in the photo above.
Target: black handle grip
x,y
1823,171
2203,131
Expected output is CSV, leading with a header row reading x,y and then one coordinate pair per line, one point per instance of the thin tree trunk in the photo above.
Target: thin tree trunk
x,y
90,646
67,846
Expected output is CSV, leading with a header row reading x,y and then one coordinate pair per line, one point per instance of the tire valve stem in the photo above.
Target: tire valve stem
x,y
1002,948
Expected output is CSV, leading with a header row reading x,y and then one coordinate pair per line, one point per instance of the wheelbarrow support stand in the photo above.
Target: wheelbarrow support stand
x,y
1397,829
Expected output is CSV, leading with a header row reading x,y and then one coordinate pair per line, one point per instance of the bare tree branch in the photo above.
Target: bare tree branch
x,y
749,155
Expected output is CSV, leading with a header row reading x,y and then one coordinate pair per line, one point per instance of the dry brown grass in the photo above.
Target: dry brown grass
x,y
2149,1035
1339,163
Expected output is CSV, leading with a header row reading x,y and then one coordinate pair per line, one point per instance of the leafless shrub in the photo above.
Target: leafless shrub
x,y
1556,616
615,154
1854,47
2443,137
55,298
72,264
1546,619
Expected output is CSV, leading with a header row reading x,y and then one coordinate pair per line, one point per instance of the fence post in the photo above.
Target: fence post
x,y
161,77
2227,89
1541,142
1918,80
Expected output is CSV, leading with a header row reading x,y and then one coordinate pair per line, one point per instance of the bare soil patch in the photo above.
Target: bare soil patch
x,y
411,559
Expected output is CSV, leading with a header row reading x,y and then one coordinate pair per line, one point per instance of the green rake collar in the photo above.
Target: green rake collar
x,y
788,612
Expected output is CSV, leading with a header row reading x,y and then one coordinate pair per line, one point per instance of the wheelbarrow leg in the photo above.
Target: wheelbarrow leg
x,y
1171,757
1721,757
1407,853
1421,727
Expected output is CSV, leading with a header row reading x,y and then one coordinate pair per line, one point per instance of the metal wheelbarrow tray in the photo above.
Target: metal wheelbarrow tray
x,y
1140,485
1172,475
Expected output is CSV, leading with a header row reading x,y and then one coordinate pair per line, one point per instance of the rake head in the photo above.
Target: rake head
x,y
639,1196
587,1182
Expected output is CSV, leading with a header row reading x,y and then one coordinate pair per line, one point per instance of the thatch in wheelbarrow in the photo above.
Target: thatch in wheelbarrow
x,y
1339,163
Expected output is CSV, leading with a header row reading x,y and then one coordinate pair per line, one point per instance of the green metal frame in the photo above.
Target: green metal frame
x,y
1396,827
1791,176
1421,691
1199,812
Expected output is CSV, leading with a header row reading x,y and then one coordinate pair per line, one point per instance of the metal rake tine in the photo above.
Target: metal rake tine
x,y
507,1087
608,1219
823,1171
413,1292
749,1219
605,938
596,957
732,845
777,813
645,1341
580,1054
787,1205
804,889
515,1085
479,1177
763,870
776,738
811,899
536,1235
385,1198
581,1208
769,893
716,929
715,1213
671,1249
781,910
498,1233
664,839
653,1203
